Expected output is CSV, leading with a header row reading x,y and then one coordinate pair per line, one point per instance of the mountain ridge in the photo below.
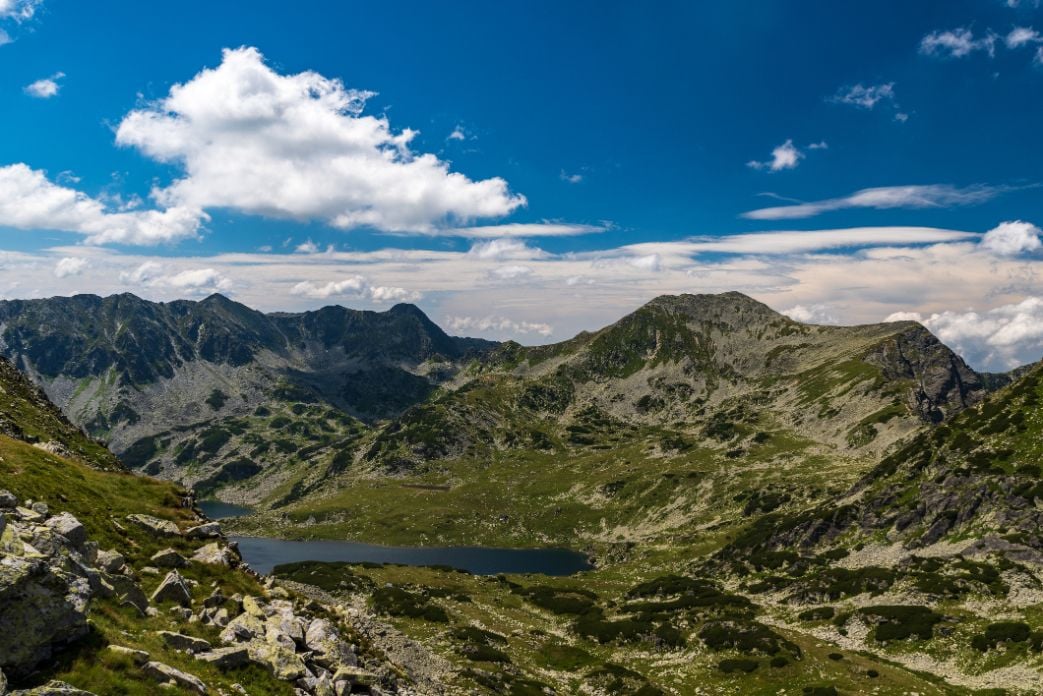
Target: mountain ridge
x,y
213,393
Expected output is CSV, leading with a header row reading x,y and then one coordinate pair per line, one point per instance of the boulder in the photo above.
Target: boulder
x,y
179,641
27,515
214,554
40,508
207,530
69,527
355,675
139,657
243,628
323,639
168,558
174,588
220,617
226,658
154,525
253,607
284,623
111,561
165,673
284,663
323,686
128,591
8,501
42,608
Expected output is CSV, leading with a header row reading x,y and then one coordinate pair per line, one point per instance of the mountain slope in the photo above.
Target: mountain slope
x,y
932,559
193,390
701,364
977,477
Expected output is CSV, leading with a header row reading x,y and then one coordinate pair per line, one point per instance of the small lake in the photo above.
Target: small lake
x,y
218,510
264,554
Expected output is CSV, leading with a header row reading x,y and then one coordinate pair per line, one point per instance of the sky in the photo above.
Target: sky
x,y
527,170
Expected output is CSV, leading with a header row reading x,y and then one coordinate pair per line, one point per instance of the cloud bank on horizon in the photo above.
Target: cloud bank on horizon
x,y
397,218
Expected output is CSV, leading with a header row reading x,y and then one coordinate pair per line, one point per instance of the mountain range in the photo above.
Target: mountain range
x,y
769,505
211,393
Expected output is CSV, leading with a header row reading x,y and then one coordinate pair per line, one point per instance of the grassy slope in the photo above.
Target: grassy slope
x,y
543,647
101,500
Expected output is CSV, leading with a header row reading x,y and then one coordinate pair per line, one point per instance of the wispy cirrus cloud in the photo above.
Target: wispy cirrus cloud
x,y
19,10
957,43
15,12
882,198
526,229
864,96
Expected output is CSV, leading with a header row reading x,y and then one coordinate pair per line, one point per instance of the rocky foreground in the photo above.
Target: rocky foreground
x,y
51,572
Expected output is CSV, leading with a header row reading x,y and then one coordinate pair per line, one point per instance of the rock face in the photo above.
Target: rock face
x,y
132,369
945,385
45,591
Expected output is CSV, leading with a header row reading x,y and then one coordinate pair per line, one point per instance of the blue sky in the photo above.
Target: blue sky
x,y
527,170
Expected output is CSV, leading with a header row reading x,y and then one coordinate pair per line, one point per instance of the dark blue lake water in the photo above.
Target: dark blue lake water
x,y
217,510
264,554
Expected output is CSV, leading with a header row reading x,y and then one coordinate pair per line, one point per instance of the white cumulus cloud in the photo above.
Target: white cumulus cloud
x,y
505,249
70,266
785,156
354,286
1012,238
298,146
19,10
812,314
999,339
190,282
500,325
45,88
30,201
1022,36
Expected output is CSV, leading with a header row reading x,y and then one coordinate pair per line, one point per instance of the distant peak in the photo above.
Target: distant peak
x,y
407,308
216,298
720,301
